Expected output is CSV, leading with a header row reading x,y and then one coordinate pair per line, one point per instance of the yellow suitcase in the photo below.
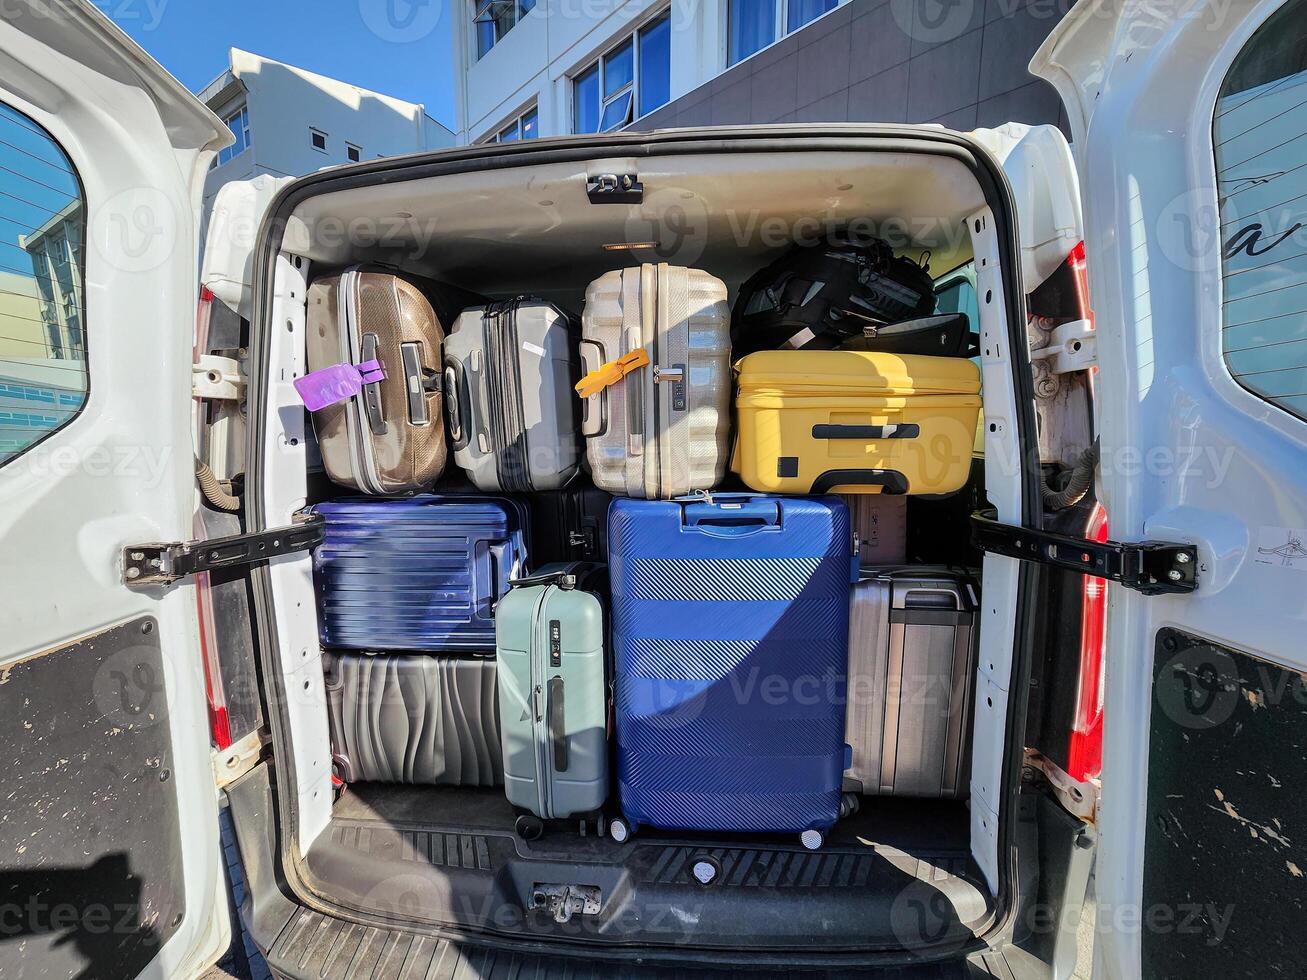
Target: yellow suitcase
x,y
855,422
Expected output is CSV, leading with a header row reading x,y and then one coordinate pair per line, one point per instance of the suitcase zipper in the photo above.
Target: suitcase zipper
x,y
539,713
649,302
360,451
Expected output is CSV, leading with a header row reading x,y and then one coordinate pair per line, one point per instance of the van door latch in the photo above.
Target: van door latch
x,y
1150,567
614,189
162,564
565,901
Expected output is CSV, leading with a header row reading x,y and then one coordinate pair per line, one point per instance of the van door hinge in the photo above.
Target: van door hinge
x,y
1080,799
1150,567
233,762
162,564
614,189
1072,346
217,377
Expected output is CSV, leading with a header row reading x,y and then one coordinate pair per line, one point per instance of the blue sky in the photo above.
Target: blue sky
x,y
397,47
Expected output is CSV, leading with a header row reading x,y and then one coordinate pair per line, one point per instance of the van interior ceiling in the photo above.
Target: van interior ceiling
x,y
449,856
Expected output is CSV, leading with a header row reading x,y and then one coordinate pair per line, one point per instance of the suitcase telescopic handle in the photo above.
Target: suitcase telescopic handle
x,y
906,430
728,515
926,597
565,577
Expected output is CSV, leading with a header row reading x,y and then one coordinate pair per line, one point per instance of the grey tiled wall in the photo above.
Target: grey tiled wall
x,y
957,62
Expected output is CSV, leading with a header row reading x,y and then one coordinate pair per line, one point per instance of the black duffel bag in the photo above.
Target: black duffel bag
x,y
821,297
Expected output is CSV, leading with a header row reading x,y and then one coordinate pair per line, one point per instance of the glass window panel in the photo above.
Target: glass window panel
x,y
800,12
585,102
531,125
616,113
485,37
42,342
509,133
655,65
524,6
619,69
752,26
1260,134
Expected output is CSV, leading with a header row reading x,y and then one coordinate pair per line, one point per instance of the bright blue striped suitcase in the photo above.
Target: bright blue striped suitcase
x,y
421,574
730,638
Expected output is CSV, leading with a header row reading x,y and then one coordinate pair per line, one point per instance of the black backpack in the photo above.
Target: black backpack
x,y
821,297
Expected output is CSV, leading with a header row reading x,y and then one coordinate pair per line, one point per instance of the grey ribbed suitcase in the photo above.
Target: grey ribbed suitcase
x,y
662,430
509,372
413,719
553,692
912,664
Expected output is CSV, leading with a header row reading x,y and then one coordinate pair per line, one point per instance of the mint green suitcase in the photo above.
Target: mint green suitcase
x,y
551,647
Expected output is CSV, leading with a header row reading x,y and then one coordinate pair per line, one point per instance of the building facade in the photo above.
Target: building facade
x,y
289,122
552,67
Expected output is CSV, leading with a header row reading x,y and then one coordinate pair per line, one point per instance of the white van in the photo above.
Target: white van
x,y
161,671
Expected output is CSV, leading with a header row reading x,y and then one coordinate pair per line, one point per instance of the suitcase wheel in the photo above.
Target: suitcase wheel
x,y
812,839
529,827
618,830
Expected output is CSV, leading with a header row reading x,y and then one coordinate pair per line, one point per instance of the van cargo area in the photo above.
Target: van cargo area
x,y
927,869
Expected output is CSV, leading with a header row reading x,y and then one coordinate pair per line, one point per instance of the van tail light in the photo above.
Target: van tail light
x,y
1085,752
1080,273
219,721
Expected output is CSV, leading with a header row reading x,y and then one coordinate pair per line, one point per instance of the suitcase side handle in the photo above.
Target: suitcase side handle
x,y
594,409
557,725
372,389
889,481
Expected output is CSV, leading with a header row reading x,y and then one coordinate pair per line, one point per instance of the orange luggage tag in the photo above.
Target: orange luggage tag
x,y
611,373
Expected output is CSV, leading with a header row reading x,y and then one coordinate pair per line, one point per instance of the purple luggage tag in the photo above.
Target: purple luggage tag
x,y
338,383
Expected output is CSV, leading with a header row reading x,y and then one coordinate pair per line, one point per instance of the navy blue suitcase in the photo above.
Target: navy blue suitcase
x,y
419,574
730,637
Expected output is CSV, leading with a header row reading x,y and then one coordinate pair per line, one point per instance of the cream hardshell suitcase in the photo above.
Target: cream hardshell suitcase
x,y
663,429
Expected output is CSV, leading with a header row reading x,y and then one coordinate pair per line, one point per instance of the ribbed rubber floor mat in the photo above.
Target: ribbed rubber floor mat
x,y
313,945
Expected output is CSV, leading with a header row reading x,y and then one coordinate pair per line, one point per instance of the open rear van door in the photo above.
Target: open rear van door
x,y
1190,131
110,864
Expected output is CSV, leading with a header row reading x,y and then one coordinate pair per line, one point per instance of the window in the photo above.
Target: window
x,y
754,24
318,139
631,80
238,122
1260,135
42,335
492,19
524,127
354,153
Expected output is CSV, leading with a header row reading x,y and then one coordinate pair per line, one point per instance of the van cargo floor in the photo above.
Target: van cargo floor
x,y
898,873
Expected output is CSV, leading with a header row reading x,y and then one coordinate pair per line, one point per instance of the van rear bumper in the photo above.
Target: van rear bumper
x,y
300,943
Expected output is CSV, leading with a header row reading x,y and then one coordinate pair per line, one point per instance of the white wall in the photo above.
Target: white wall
x,y
535,60
285,102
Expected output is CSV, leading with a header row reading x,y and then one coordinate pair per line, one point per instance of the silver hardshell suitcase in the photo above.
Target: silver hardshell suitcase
x,y
663,429
553,692
912,664
509,372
